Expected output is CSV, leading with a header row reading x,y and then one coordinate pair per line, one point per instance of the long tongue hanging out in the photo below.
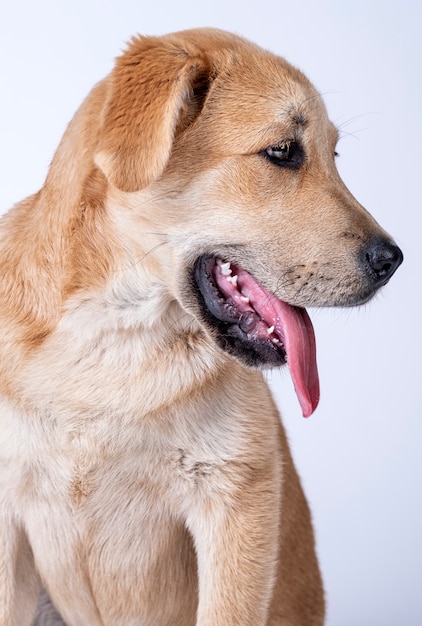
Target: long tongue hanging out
x,y
290,325
299,340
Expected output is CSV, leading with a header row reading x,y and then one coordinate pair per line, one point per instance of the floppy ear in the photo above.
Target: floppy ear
x,y
155,88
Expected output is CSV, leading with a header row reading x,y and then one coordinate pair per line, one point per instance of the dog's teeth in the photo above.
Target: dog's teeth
x,y
275,341
270,330
225,269
232,280
244,299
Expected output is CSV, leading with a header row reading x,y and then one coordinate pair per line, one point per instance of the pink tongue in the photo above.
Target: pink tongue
x,y
299,340
291,325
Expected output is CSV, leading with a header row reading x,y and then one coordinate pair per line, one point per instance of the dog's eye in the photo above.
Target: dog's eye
x,y
281,153
288,154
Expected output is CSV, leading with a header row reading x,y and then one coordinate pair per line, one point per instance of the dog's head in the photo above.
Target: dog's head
x,y
227,153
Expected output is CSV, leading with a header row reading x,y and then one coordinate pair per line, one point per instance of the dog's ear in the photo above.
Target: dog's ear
x,y
155,90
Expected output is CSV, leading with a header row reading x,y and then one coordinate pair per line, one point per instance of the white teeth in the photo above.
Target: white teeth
x,y
275,340
232,280
225,268
270,330
244,299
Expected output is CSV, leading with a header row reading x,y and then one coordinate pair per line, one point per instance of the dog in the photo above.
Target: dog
x,y
191,213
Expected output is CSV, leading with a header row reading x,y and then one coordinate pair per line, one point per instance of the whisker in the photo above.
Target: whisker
x,y
169,331
142,258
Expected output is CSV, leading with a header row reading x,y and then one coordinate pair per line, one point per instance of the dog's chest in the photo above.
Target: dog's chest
x,y
107,498
117,503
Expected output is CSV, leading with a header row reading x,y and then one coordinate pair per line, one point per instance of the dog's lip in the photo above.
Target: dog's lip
x,y
233,296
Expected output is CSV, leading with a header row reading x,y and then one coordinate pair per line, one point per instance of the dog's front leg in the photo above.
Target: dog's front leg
x,y
19,582
237,544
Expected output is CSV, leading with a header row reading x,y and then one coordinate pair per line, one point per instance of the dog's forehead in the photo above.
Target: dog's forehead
x,y
261,97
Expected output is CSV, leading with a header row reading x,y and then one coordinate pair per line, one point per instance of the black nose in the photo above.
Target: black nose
x,y
381,259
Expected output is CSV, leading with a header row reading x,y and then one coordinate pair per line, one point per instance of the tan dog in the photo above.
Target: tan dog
x,y
192,208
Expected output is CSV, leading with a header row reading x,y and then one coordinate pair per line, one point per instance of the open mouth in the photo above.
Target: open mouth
x,y
257,327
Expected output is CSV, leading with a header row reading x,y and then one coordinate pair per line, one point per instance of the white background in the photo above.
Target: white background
x,y
359,454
